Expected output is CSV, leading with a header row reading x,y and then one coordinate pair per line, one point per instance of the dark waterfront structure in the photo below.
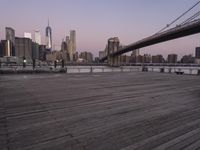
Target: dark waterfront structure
x,y
110,111
23,48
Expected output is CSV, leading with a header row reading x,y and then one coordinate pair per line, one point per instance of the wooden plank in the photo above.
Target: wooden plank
x,y
99,111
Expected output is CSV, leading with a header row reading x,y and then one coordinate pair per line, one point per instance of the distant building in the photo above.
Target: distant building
x,y
197,52
135,53
7,47
124,59
27,35
67,40
96,59
54,56
23,48
172,58
75,56
72,44
1,50
102,54
135,56
188,59
38,38
10,37
35,51
48,34
86,56
64,46
146,58
157,59
42,52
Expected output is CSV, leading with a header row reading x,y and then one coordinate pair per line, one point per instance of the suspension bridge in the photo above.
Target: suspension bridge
x,y
189,26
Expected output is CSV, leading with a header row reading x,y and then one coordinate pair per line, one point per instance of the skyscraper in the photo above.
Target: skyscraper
x,y
38,37
135,52
27,35
48,37
72,44
10,37
24,48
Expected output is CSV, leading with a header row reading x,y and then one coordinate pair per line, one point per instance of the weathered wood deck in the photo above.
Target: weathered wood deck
x,y
121,111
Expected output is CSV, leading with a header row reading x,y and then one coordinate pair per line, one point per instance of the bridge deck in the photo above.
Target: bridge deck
x,y
99,111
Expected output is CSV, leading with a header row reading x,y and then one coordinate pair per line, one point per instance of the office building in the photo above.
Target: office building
x,y
67,40
38,37
1,49
124,59
135,53
102,54
72,44
27,35
197,53
86,56
134,56
172,58
6,48
64,46
75,56
42,52
10,37
23,48
187,59
146,58
48,34
35,51
157,59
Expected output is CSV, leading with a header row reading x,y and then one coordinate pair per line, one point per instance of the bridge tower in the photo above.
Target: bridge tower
x,y
113,46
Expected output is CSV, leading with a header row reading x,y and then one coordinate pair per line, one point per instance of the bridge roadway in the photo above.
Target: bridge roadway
x,y
103,111
174,33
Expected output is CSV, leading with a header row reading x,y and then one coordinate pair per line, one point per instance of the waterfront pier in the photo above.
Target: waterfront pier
x,y
110,111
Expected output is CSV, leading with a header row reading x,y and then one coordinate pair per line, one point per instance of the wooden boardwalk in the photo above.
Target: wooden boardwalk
x,y
121,111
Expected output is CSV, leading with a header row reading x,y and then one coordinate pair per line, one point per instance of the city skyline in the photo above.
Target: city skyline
x,y
97,21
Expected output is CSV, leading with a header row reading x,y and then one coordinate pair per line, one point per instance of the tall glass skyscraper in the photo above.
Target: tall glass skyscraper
x,y
10,37
72,44
48,37
38,37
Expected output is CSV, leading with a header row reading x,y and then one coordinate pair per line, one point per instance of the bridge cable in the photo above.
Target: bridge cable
x,y
168,25
191,18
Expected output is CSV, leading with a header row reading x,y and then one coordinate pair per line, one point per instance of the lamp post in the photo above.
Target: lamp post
x,y
24,62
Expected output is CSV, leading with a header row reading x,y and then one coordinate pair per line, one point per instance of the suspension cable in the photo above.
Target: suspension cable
x,y
168,25
191,18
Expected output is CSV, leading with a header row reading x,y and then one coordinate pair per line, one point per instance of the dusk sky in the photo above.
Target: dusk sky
x,y
97,20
